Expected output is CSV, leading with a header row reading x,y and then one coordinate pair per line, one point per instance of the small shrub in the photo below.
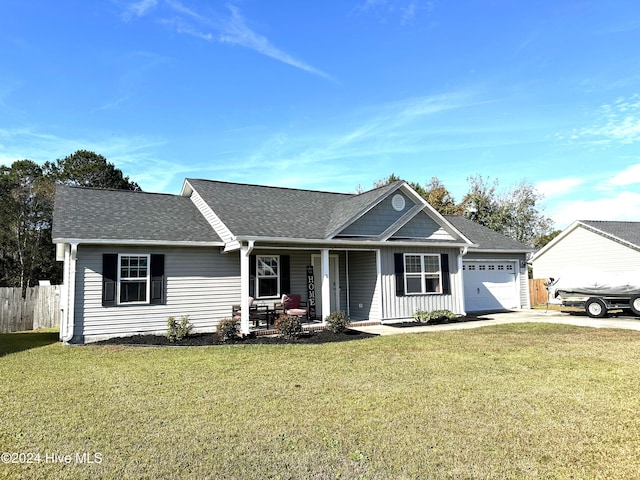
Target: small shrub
x,y
177,331
228,329
337,322
433,317
289,326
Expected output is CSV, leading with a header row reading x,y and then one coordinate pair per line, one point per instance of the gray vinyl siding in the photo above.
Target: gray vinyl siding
x,y
364,301
423,226
201,283
402,307
583,248
378,219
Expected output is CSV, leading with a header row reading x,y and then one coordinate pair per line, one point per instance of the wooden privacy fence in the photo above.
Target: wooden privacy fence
x,y
538,294
39,309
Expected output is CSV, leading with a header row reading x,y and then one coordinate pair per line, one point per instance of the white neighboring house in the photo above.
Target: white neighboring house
x,y
606,246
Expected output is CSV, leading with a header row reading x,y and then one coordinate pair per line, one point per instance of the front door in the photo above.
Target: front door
x,y
334,281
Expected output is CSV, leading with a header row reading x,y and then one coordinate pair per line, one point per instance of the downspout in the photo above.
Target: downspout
x,y
66,333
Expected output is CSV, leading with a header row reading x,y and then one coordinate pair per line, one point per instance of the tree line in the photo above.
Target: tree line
x,y
27,191
514,212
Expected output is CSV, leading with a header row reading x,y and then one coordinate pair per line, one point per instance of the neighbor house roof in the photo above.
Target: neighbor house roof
x,y
627,233
485,238
91,214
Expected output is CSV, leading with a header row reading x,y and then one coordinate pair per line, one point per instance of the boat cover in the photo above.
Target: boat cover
x,y
588,282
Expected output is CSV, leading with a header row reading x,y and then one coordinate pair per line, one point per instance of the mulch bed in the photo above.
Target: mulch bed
x,y
322,336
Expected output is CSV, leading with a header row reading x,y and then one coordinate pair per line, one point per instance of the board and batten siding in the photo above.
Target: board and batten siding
x,y
364,290
586,249
201,283
403,307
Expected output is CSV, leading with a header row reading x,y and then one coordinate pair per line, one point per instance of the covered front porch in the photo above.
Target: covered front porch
x,y
327,280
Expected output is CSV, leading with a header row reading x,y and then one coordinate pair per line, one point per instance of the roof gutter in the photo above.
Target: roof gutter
x,y
148,243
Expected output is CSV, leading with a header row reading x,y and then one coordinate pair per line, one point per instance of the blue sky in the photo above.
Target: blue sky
x,y
333,95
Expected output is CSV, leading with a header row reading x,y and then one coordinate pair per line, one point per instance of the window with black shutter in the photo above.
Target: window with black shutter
x,y
132,279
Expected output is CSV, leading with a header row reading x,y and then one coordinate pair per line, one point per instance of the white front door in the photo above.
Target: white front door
x,y
334,281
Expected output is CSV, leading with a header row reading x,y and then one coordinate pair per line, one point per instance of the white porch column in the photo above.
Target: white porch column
x,y
326,283
245,252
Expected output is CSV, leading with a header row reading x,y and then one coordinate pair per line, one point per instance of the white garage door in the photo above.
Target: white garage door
x,y
490,286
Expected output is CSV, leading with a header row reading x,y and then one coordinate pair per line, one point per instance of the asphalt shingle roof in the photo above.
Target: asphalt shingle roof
x,y
484,237
97,214
257,210
627,231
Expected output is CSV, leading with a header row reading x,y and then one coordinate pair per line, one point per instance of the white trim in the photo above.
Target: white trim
x,y
278,277
326,274
336,244
423,274
133,279
133,243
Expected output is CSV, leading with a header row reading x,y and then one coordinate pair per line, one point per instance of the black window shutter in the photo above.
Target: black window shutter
x,y
446,277
109,278
157,279
285,274
252,276
398,260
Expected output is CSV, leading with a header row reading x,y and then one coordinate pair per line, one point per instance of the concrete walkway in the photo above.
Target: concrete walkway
x,y
518,316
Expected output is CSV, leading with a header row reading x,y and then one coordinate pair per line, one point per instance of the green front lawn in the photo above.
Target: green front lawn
x,y
514,401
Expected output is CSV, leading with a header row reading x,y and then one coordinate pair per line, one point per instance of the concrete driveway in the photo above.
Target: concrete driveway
x,y
517,316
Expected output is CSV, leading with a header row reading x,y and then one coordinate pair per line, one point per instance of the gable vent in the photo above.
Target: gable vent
x,y
398,202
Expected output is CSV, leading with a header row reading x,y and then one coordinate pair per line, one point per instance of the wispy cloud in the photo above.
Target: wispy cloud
x,y
235,31
406,12
139,9
561,186
622,206
616,123
229,29
628,176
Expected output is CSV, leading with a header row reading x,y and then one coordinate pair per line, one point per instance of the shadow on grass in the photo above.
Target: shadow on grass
x,y
21,341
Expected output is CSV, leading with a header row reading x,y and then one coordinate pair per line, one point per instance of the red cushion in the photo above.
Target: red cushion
x,y
296,311
291,301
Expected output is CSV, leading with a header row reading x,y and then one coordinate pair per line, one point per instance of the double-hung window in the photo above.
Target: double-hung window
x,y
133,279
422,273
268,276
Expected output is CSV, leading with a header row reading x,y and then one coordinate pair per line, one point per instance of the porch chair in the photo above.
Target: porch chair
x,y
291,304
257,313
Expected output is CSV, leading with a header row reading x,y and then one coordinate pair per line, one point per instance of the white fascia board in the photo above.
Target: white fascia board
x,y
148,243
362,213
338,243
433,213
610,236
560,236
187,189
401,222
499,250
